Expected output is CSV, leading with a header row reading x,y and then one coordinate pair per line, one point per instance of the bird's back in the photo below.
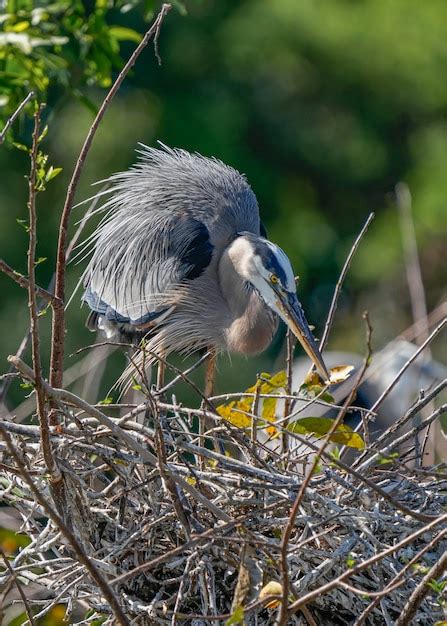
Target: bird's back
x,y
167,220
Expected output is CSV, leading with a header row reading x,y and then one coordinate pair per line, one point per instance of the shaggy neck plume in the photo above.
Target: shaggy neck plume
x,y
251,323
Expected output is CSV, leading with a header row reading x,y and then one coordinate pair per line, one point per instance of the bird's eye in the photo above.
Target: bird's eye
x,y
273,279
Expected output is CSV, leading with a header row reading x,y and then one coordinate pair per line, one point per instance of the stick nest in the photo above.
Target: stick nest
x,y
194,533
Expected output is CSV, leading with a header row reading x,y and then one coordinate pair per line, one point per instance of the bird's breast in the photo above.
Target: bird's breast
x,y
253,330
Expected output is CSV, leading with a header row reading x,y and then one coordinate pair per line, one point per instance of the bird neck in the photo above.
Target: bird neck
x,y
251,323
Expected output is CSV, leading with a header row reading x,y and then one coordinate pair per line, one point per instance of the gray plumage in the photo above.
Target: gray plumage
x,y
179,259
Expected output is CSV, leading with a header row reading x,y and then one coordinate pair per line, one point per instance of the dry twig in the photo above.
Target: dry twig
x,y
58,327
10,121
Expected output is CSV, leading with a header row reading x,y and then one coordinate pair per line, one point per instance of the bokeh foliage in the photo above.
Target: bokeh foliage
x,y
325,105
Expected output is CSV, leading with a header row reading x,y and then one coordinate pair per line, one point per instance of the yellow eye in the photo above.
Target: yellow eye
x,y
273,278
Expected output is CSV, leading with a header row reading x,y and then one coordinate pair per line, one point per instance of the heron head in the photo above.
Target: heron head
x,y
267,268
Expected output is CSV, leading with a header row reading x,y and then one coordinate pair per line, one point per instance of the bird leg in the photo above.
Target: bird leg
x,y
204,422
161,371
210,374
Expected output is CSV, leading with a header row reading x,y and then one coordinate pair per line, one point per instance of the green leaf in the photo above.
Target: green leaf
x,y
40,260
320,426
438,586
52,173
43,134
350,561
107,400
20,146
386,460
24,224
121,33
236,618
19,27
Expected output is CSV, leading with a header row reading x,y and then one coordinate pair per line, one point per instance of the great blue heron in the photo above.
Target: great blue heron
x,y
181,259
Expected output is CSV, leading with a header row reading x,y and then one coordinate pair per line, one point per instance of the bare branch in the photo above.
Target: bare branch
x,y
308,597
21,280
423,589
56,519
18,584
404,368
50,461
283,611
46,294
412,264
341,280
10,121
361,619
58,326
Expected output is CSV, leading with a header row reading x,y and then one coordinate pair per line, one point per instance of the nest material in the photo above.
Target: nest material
x,y
207,527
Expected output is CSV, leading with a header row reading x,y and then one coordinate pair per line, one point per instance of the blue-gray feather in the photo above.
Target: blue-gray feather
x,y
167,220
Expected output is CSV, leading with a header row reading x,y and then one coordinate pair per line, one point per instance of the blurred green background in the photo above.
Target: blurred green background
x,y
325,105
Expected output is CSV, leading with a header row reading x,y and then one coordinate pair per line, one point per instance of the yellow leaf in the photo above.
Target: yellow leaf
x,y
339,373
272,431
277,381
272,588
232,413
269,409
57,615
320,426
312,378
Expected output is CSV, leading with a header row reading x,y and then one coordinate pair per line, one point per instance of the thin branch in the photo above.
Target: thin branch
x,y
21,280
412,264
422,590
361,619
283,610
434,317
418,406
45,294
311,595
404,368
290,345
341,280
176,379
42,414
374,594
254,411
10,121
369,353
181,375
57,520
18,584
62,395
396,379
425,423
58,326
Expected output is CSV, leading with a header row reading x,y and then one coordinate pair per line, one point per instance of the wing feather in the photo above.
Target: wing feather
x,y
134,271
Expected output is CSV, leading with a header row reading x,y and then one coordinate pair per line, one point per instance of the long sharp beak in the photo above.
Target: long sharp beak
x,y
293,314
